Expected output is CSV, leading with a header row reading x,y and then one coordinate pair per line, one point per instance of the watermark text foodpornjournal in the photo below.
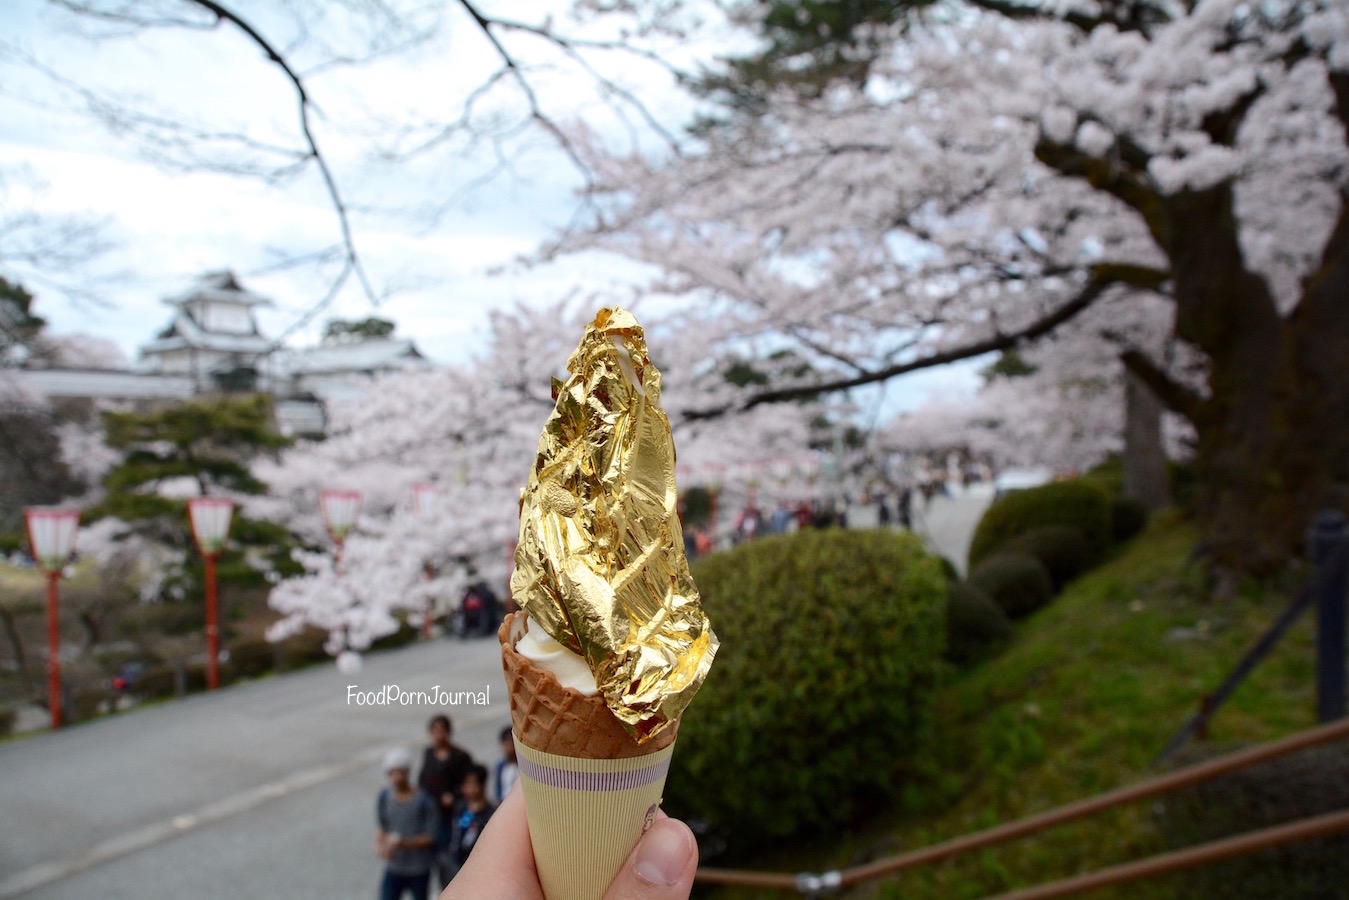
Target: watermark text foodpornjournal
x,y
393,695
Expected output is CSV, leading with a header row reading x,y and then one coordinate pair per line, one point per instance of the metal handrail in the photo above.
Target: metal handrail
x,y
1190,857
814,884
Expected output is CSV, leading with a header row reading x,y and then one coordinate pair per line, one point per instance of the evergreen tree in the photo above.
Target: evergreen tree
x,y
210,441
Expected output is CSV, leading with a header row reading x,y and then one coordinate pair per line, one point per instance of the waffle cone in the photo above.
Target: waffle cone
x,y
562,721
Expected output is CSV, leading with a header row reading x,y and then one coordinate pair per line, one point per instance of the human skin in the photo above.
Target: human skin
x,y
660,867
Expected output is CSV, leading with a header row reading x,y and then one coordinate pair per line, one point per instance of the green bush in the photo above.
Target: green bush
x,y
7,719
820,702
1108,475
1078,504
173,617
158,682
84,704
249,659
154,683
1062,550
302,649
1302,785
975,625
1128,517
948,569
1019,584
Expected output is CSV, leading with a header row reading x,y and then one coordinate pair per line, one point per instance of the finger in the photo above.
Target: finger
x,y
660,867
502,862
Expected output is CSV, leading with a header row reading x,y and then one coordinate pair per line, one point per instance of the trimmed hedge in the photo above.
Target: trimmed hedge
x,y
251,658
1019,584
1108,475
1077,504
1062,550
1301,785
1127,518
302,649
948,569
822,694
975,625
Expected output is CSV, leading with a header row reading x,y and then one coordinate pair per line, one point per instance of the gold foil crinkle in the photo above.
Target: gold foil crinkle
x,y
600,560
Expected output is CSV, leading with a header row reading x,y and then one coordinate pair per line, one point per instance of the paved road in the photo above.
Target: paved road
x,y
259,790
947,523
263,789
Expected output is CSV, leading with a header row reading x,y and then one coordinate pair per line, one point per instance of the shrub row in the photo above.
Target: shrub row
x,y
1018,584
1302,785
1029,545
976,626
822,695
1075,504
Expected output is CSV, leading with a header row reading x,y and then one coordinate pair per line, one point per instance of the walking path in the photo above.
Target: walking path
x,y
264,789
947,523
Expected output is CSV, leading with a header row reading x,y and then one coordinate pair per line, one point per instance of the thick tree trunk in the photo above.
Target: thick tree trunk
x,y
1145,476
1274,436
1273,432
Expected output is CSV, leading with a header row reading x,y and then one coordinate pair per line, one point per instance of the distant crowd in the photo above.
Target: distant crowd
x,y
897,508
428,826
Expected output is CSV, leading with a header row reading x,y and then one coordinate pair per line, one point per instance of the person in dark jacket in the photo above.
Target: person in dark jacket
x,y
470,815
444,766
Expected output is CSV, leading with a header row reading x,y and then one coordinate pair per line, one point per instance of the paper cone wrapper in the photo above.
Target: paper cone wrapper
x,y
586,815
590,788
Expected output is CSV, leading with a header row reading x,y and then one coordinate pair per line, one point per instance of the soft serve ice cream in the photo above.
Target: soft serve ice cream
x,y
570,670
616,643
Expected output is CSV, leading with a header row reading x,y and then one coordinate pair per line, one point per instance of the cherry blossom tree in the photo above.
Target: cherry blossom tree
x,y
1066,407
472,431
977,176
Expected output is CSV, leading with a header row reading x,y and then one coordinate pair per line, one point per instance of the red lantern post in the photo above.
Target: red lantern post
x,y
51,535
340,511
210,521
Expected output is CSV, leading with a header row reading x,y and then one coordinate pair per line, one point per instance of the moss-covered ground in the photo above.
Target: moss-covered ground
x,y
1081,702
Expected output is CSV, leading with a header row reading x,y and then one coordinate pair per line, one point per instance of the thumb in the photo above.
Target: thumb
x,y
660,867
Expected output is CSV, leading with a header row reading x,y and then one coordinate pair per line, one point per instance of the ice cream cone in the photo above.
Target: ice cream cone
x,y
590,789
561,721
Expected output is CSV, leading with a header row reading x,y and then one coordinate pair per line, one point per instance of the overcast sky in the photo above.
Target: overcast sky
x,y
169,226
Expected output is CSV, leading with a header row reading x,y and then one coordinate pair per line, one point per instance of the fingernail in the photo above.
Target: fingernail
x,y
663,853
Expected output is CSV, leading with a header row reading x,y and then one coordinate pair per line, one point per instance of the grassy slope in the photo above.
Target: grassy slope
x,y
18,581
1088,693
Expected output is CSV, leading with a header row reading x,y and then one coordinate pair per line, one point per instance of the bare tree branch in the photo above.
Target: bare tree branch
x,y
1177,397
354,265
1103,279
536,112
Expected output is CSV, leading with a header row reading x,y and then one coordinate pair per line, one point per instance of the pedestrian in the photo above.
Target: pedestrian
x,y
805,515
471,815
704,541
407,821
507,768
444,766
747,524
